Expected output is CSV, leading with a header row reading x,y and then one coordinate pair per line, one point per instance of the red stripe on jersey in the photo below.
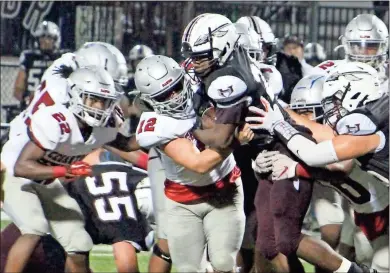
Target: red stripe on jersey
x,y
186,193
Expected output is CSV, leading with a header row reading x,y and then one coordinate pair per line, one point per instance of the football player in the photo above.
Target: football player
x,y
204,202
366,40
326,203
47,147
233,82
357,113
33,63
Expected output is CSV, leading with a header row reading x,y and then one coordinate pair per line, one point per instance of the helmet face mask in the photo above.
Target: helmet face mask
x,y
48,36
209,40
366,40
92,95
348,87
160,81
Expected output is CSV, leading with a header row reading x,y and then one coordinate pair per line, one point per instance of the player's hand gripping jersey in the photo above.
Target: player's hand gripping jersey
x,y
156,130
109,205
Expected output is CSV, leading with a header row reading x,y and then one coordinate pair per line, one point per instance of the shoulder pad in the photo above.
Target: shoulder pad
x,y
356,124
154,130
226,88
49,126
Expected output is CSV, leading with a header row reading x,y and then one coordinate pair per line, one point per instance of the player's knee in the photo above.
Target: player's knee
x,y
79,241
223,261
380,260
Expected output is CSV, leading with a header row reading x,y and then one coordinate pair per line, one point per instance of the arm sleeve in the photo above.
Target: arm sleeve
x,y
307,150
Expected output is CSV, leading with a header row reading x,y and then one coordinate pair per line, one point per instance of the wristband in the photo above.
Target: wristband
x,y
59,171
300,171
142,161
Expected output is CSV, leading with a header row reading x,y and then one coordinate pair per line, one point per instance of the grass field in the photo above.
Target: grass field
x,y
102,259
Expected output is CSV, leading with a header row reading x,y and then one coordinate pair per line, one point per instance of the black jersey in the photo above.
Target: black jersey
x,y
109,204
367,120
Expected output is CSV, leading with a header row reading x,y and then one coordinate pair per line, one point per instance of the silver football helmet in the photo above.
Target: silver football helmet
x,y
160,83
267,37
209,36
139,52
366,40
307,95
122,64
314,54
99,55
49,29
92,95
250,41
347,87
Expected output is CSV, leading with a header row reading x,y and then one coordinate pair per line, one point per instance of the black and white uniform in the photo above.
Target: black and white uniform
x,y
109,205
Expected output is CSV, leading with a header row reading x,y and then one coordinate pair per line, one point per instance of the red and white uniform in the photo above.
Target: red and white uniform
x,y
155,130
186,223
54,128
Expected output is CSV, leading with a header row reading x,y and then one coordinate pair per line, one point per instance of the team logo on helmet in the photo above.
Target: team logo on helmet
x,y
218,32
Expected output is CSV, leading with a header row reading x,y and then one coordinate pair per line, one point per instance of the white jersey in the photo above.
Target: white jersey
x,y
365,192
55,129
155,130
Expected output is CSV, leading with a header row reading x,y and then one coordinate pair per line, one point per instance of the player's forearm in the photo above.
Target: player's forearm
x,y
31,169
215,137
207,160
307,150
18,92
320,132
125,144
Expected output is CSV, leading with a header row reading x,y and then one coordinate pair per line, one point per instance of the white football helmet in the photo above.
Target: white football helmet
x,y
139,52
98,55
266,34
160,81
307,95
211,36
88,85
123,79
250,41
50,29
366,40
314,54
347,87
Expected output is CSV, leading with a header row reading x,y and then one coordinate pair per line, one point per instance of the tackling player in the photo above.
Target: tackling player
x,y
203,190
351,97
33,63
